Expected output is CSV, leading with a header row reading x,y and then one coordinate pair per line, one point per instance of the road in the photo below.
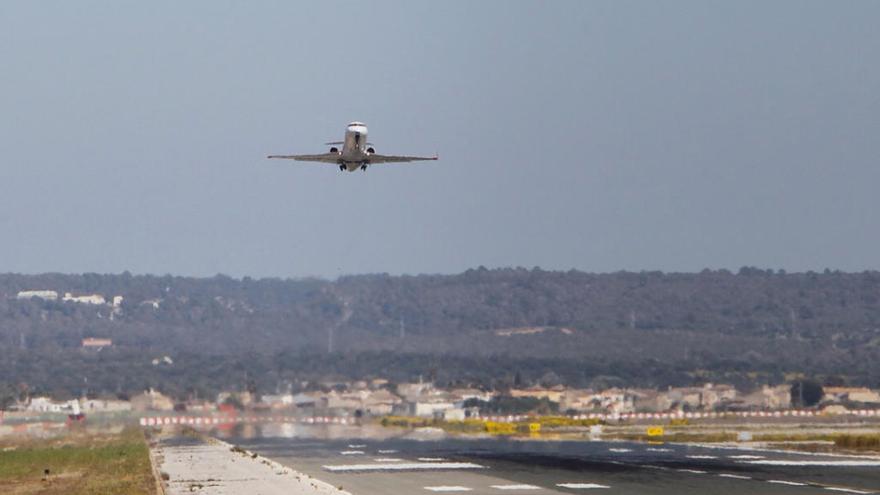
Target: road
x,y
497,466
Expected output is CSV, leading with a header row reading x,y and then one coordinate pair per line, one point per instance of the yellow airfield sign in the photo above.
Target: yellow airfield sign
x,y
655,431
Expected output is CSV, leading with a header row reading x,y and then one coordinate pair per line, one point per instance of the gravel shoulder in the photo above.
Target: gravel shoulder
x,y
214,467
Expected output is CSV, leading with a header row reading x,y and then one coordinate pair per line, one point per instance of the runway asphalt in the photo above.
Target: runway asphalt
x,y
497,466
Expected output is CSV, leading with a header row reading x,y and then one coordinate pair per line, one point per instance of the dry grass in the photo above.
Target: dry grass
x,y
858,442
79,464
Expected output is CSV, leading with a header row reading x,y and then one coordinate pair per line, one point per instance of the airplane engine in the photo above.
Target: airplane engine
x,y
370,150
334,150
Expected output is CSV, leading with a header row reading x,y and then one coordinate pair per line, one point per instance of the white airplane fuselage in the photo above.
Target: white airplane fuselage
x,y
355,150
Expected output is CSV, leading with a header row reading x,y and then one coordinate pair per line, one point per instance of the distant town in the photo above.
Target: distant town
x,y
379,397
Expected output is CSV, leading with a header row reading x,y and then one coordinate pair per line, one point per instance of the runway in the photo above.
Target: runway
x,y
498,466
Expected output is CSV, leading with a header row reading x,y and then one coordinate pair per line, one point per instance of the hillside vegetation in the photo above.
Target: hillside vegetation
x,y
484,327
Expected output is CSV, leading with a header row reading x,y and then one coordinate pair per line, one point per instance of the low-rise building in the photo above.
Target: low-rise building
x,y
86,299
579,400
278,401
648,400
104,405
47,295
851,394
431,406
48,405
553,394
616,400
778,397
380,402
412,391
343,400
96,342
463,394
152,400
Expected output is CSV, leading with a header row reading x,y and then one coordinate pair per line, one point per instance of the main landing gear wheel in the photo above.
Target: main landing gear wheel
x,y
342,167
364,166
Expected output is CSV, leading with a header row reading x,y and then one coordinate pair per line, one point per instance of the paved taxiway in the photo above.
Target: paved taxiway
x,y
498,466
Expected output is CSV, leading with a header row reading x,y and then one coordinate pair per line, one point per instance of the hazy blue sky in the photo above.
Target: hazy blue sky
x,y
591,135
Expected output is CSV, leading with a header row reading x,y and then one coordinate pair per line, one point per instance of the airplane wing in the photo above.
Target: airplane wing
x,y
398,159
324,157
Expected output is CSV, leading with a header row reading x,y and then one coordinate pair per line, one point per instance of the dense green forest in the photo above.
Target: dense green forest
x,y
481,327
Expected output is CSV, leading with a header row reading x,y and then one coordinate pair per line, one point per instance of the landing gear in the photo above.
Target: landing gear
x,y
364,166
342,167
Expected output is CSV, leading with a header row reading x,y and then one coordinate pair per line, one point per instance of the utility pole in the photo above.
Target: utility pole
x,y
402,328
330,339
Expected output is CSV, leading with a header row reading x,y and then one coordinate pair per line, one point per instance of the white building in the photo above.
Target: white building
x,y
47,295
104,405
278,401
47,405
87,299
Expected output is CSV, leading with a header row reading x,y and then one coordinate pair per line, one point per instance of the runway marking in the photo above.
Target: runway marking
x,y
847,490
777,462
516,487
702,457
352,452
786,452
745,456
402,466
391,451
448,488
692,471
783,482
581,486
735,476
388,459
655,449
431,459
358,446
619,450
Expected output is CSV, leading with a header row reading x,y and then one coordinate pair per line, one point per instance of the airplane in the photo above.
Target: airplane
x,y
356,152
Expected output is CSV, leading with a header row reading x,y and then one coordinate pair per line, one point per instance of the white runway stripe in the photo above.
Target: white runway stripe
x,y
402,466
581,486
388,459
448,488
692,471
790,483
358,446
702,457
619,450
776,462
516,487
352,452
735,476
745,456
847,490
391,451
656,449
431,459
